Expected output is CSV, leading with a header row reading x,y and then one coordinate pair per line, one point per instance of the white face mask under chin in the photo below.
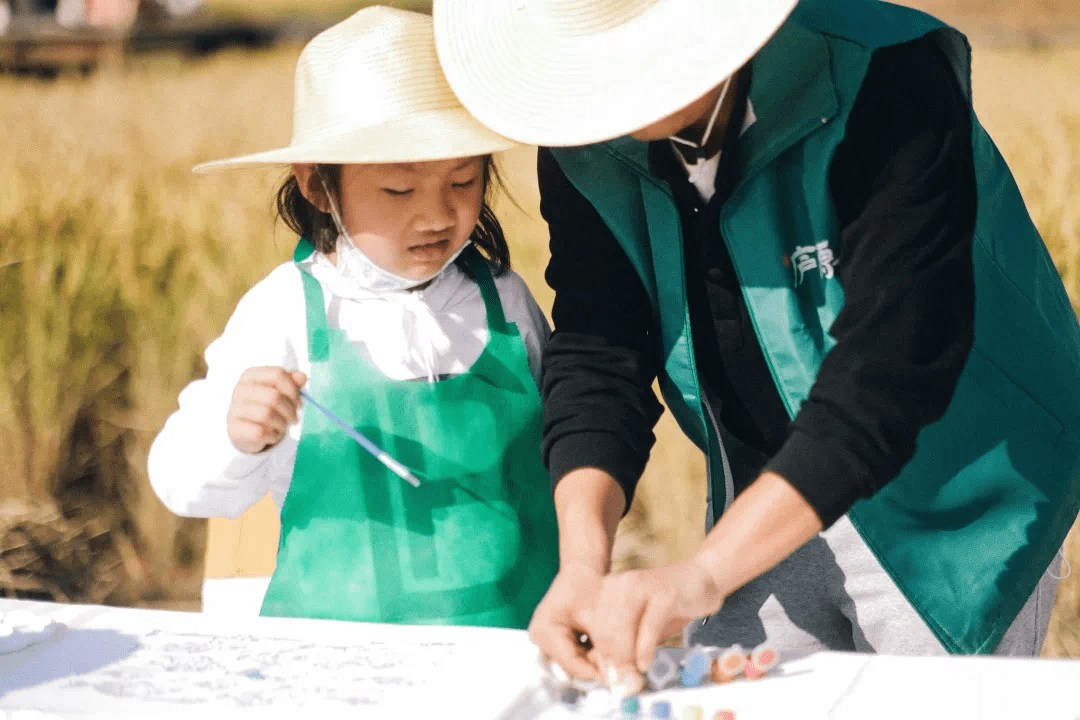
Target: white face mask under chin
x,y
359,268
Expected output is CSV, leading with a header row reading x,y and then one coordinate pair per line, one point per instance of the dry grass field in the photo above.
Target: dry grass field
x,y
118,267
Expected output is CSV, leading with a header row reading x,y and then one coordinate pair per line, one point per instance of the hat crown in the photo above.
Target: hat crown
x,y
378,65
587,16
576,72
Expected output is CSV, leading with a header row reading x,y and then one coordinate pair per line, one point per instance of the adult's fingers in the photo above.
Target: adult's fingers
x,y
563,648
652,630
554,630
623,680
613,623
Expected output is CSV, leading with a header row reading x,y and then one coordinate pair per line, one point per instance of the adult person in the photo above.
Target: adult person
x,y
801,229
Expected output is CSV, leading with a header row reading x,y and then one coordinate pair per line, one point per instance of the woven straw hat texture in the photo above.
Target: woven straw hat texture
x,y
574,72
370,90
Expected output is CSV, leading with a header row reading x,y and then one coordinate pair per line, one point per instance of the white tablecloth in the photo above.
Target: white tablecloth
x,y
123,663
234,596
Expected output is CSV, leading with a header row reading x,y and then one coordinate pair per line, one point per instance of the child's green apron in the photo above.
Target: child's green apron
x,y
475,544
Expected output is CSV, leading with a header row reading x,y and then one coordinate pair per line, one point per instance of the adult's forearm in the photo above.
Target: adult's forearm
x,y
589,504
767,522
599,406
601,361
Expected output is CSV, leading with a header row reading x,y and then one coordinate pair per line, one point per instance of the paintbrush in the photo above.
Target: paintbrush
x,y
393,465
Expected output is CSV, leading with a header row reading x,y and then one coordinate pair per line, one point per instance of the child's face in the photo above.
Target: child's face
x,y
411,218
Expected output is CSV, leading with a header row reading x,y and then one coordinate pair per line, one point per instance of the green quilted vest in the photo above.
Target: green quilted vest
x,y
977,515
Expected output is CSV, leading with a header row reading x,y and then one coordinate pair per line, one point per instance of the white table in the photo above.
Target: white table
x,y
123,663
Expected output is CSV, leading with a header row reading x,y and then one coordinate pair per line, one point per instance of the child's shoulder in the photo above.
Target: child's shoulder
x,y
285,278
280,287
274,306
520,304
509,283
458,286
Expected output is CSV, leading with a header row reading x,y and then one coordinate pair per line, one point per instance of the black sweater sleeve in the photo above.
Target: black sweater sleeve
x,y
599,366
903,184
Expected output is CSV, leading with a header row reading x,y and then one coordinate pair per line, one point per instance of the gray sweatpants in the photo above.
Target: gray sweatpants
x,y
832,594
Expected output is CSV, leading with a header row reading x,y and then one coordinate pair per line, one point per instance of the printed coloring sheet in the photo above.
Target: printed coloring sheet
x,y
97,662
106,662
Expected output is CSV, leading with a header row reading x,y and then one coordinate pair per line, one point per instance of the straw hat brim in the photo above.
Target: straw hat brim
x,y
543,84
416,137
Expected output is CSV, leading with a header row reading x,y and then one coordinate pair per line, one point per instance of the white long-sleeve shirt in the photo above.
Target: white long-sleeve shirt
x,y
441,330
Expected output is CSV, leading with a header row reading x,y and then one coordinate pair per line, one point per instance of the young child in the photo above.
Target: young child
x,y
400,316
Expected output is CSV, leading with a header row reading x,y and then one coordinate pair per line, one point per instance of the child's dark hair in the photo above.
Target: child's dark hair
x,y
308,221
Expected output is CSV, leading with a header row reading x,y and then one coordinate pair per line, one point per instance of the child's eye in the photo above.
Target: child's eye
x,y
467,184
397,192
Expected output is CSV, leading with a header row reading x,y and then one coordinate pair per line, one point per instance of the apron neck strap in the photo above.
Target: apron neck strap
x,y
303,251
481,273
317,337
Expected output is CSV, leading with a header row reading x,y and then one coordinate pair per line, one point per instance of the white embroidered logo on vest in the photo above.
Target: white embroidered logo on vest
x,y
811,257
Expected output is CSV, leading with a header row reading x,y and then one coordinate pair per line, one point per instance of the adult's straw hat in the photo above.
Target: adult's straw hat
x,y
573,72
370,90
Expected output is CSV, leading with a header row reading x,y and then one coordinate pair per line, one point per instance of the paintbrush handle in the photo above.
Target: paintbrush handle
x,y
381,455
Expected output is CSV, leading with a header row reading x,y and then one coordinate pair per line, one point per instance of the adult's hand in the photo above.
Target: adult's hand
x,y
627,615
588,503
559,620
636,610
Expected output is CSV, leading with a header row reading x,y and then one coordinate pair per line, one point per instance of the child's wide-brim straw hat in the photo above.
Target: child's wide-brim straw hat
x,y
574,72
370,90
